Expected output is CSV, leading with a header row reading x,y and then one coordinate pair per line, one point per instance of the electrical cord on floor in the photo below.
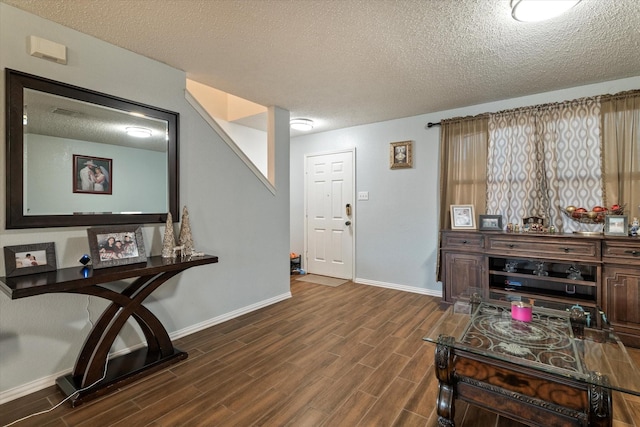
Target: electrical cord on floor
x,y
104,375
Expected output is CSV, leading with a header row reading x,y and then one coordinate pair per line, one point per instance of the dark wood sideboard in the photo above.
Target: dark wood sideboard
x,y
92,376
505,266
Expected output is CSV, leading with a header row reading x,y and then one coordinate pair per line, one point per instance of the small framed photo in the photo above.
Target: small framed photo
x,y
92,175
21,260
490,222
616,225
401,155
462,217
116,245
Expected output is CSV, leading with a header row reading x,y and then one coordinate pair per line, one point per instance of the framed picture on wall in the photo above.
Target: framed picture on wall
x,y
92,174
401,155
616,225
462,217
490,222
21,260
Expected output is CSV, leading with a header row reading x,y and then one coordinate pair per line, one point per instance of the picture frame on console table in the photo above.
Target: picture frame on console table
x,y
116,245
463,217
21,260
490,222
616,225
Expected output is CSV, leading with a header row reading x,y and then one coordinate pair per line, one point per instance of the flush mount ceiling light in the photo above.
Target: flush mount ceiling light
x,y
138,132
539,10
301,124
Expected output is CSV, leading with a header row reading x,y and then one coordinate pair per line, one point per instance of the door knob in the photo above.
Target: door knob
x,y
347,223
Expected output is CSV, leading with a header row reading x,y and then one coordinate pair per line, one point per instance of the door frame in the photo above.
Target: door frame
x,y
354,211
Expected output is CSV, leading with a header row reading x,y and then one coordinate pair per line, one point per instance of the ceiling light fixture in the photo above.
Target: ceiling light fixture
x,y
539,10
138,132
301,124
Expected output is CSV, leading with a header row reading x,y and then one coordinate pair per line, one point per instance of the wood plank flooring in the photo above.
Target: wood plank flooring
x,y
351,355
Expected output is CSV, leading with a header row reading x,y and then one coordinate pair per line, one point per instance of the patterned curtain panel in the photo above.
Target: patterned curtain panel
x,y
514,177
543,159
572,160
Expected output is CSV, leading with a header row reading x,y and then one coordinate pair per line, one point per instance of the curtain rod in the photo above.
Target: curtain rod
x,y
606,97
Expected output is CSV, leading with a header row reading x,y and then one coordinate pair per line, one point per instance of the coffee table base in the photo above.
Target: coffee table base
x,y
516,392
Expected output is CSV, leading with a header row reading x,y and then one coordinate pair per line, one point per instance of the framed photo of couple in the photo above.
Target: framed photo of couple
x,y
92,175
21,260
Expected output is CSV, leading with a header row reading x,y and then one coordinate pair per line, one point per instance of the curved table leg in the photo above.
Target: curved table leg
x,y
92,359
444,372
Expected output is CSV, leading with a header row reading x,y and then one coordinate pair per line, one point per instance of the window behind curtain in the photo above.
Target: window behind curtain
x,y
463,165
621,140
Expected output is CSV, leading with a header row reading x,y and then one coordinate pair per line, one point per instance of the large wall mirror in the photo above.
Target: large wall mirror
x,y
79,157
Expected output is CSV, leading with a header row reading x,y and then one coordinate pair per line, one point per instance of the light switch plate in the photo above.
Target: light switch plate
x,y
363,195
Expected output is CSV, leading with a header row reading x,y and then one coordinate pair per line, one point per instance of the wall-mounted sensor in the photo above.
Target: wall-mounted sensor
x,y
46,49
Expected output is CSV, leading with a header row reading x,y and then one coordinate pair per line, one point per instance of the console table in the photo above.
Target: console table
x,y
85,381
539,373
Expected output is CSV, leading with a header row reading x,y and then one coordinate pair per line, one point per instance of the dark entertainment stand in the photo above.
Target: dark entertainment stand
x,y
85,381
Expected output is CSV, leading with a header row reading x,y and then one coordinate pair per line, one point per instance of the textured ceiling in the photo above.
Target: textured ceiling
x,y
349,62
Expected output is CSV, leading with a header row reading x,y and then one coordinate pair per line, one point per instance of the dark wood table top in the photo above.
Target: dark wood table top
x,y
69,279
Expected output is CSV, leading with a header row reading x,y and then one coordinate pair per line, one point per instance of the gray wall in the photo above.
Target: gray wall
x,y
397,228
233,215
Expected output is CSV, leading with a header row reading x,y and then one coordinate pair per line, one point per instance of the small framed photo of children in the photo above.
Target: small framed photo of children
x,y
490,222
117,245
92,174
21,260
462,217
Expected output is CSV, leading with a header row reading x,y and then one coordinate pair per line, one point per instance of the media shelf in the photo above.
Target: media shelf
x,y
552,271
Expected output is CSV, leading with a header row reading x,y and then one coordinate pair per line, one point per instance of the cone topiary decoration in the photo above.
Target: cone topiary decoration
x,y
169,241
185,239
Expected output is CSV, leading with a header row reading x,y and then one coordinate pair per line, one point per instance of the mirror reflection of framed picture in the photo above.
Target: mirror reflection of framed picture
x,y
616,225
91,175
462,217
490,222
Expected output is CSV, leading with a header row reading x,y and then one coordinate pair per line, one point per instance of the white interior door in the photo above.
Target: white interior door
x,y
329,212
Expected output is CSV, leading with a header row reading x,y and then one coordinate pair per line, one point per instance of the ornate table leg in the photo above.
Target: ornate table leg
x,y
599,401
444,372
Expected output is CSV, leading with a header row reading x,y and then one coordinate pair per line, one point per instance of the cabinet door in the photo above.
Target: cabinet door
x,y
622,299
462,271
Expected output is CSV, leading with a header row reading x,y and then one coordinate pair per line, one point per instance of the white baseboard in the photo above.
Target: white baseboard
x,y
44,382
413,289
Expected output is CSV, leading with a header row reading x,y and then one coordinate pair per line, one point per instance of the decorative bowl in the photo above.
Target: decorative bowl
x,y
591,217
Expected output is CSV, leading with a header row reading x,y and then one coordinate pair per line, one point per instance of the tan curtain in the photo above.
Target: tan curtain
x,y
463,165
621,141
544,158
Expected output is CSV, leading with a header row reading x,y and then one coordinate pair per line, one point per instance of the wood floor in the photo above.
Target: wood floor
x,y
351,355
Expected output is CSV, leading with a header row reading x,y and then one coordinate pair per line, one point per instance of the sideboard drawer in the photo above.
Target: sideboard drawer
x,y
568,249
626,251
460,240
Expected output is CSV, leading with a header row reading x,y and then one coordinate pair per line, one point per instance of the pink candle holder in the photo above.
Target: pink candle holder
x,y
521,311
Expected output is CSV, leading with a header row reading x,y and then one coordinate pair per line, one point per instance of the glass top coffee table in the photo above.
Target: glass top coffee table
x,y
546,372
